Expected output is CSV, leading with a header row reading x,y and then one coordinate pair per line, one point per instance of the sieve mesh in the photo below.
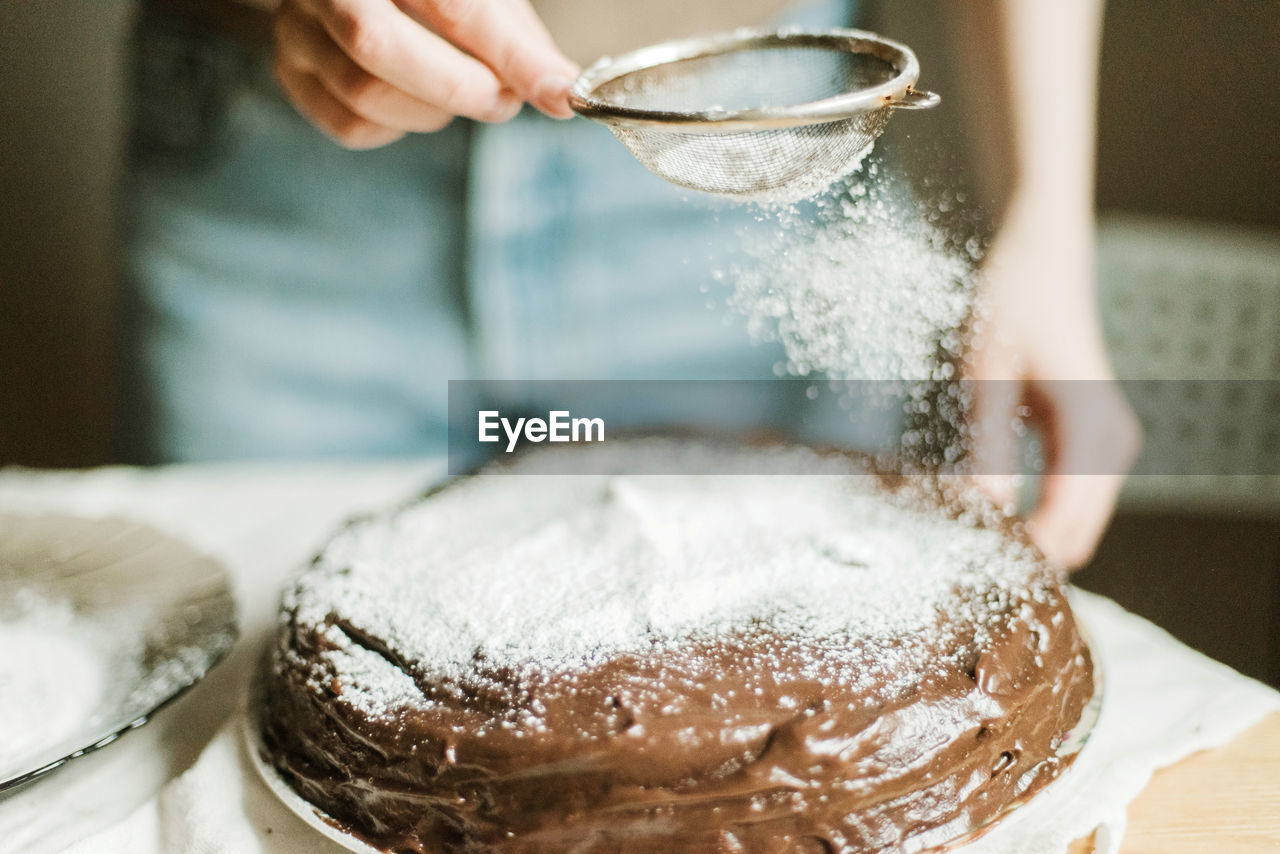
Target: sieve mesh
x,y
785,164
773,117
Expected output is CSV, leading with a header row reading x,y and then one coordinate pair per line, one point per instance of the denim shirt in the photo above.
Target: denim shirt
x,y
285,297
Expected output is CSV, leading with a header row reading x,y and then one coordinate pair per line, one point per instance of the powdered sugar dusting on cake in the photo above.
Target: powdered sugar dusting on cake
x,y
547,575
365,679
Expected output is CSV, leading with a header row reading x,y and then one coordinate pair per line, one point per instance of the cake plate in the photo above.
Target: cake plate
x,y
1072,743
298,805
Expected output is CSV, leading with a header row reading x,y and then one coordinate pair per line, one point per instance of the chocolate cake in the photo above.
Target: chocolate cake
x,y
686,663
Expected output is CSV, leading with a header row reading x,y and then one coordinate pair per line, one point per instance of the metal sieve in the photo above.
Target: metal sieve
x,y
769,116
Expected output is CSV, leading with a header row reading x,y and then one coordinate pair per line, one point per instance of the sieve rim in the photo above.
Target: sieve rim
x,y
896,91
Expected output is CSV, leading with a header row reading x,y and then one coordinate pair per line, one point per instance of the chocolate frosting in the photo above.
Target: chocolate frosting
x,y
759,739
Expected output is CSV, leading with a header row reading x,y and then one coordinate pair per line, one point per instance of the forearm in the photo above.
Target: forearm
x,y
1052,51
1031,71
1052,54
1036,65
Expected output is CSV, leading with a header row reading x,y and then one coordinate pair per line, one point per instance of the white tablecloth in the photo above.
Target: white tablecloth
x,y
182,783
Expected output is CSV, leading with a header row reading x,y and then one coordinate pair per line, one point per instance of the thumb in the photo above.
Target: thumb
x,y
508,36
992,433
1093,438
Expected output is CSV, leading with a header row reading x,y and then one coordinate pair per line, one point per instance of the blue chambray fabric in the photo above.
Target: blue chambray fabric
x,y
290,298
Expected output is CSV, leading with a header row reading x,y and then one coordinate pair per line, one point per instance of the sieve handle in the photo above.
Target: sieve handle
x,y
916,99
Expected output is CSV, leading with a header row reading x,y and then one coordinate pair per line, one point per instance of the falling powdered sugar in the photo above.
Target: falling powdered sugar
x,y
857,286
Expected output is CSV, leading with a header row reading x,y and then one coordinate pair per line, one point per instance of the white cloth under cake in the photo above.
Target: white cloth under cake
x,y
1162,702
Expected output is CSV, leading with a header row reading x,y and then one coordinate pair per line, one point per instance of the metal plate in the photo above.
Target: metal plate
x,y
134,616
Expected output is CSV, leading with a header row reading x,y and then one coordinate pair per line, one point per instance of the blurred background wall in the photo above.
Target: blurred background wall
x,y
1189,123
60,131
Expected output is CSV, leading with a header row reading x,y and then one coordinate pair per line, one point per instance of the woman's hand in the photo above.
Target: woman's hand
x,y
1040,356
1041,353
367,72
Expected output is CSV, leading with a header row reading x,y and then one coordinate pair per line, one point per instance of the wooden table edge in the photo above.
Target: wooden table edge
x,y
1225,800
